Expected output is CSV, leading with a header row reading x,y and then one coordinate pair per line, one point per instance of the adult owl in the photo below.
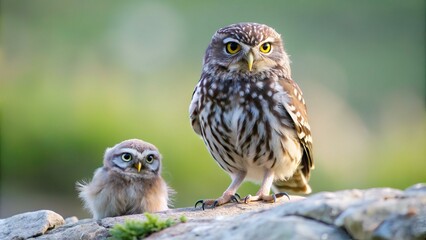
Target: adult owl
x,y
129,182
251,114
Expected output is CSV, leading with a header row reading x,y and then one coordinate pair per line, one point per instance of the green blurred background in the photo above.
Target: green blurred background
x,y
79,76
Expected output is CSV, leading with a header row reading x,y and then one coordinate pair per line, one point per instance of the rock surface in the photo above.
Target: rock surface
x,y
378,213
30,224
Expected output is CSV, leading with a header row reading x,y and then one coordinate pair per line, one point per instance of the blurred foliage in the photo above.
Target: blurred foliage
x,y
79,76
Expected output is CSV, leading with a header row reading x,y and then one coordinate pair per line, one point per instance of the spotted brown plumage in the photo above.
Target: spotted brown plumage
x,y
251,114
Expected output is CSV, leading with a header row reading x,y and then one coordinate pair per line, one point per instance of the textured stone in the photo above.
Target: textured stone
x,y
30,224
84,229
378,213
406,226
257,226
71,220
374,217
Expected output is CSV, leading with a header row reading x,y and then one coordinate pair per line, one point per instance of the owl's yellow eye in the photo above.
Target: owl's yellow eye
x,y
265,48
232,47
126,157
150,158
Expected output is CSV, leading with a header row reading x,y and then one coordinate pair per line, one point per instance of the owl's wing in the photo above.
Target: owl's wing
x,y
296,108
194,109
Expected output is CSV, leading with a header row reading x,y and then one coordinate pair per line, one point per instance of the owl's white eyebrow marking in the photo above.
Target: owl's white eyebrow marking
x,y
229,39
269,39
148,152
132,151
138,154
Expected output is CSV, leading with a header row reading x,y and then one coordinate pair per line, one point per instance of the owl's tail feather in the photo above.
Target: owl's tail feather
x,y
297,184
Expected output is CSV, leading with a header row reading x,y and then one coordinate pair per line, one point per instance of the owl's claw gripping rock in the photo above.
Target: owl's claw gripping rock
x,y
235,199
237,196
249,198
281,194
198,202
266,198
212,203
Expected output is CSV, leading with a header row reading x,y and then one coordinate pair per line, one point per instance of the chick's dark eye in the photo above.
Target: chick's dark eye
x,y
150,158
126,157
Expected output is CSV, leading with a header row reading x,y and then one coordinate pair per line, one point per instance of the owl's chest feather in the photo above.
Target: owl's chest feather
x,y
135,195
237,104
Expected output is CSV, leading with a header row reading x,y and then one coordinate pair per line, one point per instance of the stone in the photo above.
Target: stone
x,y
255,226
71,220
377,213
402,226
30,224
84,229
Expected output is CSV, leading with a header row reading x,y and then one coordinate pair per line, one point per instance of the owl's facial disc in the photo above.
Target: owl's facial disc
x,y
132,159
248,56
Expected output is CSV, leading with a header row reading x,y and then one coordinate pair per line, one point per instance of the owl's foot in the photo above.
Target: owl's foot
x,y
266,198
212,203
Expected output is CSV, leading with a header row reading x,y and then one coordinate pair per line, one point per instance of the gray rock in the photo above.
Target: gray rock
x,y
84,229
327,206
30,224
385,216
71,220
419,188
378,213
257,226
402,226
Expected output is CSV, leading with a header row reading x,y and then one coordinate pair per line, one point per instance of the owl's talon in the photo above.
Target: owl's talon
x,y
246,199
281,194
266,198
209,203
198,202
238,196
234,199
213,203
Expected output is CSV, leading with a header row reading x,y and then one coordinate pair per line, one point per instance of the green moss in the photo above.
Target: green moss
x,y
133,230
183,219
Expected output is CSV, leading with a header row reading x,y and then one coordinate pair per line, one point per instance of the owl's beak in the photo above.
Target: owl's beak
x,y
138,166
249,58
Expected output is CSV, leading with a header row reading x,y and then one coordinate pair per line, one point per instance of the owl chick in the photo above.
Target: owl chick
x,y
129,182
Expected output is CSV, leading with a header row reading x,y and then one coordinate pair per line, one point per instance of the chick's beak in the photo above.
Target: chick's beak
x,y
138,166
249,58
